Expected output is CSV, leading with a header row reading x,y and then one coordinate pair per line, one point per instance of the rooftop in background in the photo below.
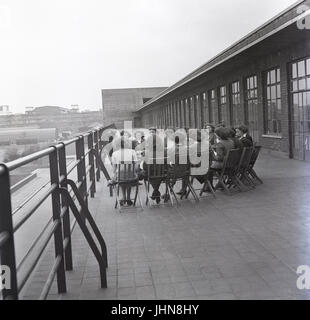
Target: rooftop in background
x,y
5,110
120,104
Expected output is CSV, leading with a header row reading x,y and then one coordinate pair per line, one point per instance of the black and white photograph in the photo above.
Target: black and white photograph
x,y
154,154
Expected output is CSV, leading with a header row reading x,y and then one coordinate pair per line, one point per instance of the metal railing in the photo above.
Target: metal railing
x,y
66,196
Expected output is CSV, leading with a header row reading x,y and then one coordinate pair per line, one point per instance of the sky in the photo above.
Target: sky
x,y
63,52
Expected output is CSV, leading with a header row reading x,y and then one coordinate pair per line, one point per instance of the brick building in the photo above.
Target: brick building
x,y
119,105
263,80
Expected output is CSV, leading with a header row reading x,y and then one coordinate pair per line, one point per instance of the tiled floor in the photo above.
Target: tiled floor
x,y
245,246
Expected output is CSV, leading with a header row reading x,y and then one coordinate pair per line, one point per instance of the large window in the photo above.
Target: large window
x,y
212,106
204,109
237,115
273,103
300,97
223,110
251,103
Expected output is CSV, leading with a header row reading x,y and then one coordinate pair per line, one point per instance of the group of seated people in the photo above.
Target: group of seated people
x,y
138,148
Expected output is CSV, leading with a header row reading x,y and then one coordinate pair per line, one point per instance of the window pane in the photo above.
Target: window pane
x,y
302,84
295,85
308,83
278,91
295,99
294,70
268,93
308,66
278,75
272,76
273,92
301,69
255,82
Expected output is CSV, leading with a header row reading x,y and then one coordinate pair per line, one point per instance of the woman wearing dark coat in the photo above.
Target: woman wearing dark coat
x,y
222,147
242,133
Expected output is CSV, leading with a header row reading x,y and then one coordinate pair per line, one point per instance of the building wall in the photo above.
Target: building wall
x,y
164,113
119,105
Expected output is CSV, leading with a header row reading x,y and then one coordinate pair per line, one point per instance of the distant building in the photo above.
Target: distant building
x,y
48,110
5,110
59,118
119,105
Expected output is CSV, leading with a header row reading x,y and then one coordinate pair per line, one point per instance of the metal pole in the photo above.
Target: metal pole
x,y
58,238
96,140
91,161
66,217
7,251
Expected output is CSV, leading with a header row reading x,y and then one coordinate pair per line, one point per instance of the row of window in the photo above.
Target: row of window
x,y
213,106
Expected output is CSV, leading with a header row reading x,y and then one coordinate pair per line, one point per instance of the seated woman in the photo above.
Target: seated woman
x,y
123,152
232,136
242,133
222,146
210,129
154,148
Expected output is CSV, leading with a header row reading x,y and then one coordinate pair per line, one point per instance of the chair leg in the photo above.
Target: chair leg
x,y
116,197
172,193
192,190
210,187
188,190
136,195
255,176
147,188
221,181
241,184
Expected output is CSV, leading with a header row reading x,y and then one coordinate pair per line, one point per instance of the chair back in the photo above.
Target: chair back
x,y
232,159
127,171
255,155
246,157
156,168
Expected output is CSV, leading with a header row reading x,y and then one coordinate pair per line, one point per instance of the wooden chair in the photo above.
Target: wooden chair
x,y
203,175
250,171
242,172
179,172
156,172
127,177
227,175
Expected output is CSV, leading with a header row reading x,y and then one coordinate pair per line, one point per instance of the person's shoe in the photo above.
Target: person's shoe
x,y
180,193
207,189
219,186
158,200
129,203
122,203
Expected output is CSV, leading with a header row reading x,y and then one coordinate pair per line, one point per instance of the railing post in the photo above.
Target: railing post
x,y
81,170
96,140
58,238
7,251
64,204
90,140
